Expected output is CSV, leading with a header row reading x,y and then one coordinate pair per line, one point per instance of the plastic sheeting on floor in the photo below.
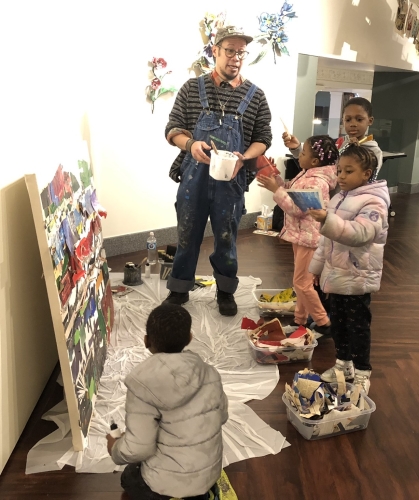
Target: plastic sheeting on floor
x,y
217,339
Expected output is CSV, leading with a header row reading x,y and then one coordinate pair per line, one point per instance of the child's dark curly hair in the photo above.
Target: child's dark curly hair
x,y
364,156
324,148
360,101
169,328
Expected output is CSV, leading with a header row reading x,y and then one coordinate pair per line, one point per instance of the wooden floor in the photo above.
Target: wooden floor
x,y
381,462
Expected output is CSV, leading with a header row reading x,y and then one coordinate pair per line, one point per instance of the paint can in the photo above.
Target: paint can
x,y
132,274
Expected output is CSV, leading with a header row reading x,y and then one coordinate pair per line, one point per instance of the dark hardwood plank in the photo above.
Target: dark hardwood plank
x,y
380,462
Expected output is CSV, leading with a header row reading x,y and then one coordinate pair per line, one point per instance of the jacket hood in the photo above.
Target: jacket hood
x,y
378,188
167,381
327,173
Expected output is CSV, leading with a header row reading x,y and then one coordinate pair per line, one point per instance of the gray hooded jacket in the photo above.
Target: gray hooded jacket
x,y
175,409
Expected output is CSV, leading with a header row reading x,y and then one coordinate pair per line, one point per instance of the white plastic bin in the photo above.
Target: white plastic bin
x,y
278,355
286,309
332,426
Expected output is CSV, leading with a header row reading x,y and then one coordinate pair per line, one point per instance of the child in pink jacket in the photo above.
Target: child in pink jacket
x,y
317,159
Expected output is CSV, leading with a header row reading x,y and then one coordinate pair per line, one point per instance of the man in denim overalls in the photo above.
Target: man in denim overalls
x,y
233,113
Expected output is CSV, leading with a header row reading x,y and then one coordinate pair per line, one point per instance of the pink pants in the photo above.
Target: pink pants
x,y
308,301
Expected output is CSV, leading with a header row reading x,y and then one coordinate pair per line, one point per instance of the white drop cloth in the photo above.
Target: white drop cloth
x,y
217,339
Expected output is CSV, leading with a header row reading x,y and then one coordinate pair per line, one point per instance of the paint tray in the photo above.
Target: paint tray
x,y
333,424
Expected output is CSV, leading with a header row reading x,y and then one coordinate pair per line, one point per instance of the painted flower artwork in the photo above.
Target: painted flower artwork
x,y
272,32
156,87
210,25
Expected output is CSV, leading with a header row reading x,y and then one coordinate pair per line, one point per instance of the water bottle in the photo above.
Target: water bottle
x,y
152,249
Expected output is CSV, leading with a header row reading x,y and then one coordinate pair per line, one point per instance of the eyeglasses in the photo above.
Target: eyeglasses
x,y
241,54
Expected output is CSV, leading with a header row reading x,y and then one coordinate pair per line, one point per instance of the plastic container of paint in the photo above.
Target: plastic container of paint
x,y
222,165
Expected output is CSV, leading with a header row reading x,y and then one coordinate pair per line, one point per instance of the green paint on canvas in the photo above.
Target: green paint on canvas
x,y
85,174
65,263
83,307
82,334
77,337
92,388
75,186
102,324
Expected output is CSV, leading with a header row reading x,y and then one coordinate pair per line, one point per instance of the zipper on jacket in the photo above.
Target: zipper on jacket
x,y
333,243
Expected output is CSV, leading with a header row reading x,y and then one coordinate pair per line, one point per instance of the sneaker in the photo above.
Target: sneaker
x,y
347,367
226,303
323,330
177,298
362,378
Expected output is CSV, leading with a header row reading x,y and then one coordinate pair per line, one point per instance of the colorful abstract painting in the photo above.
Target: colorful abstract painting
x,y
67,216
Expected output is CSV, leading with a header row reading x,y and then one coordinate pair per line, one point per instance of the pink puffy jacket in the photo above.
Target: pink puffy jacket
x,y
298,227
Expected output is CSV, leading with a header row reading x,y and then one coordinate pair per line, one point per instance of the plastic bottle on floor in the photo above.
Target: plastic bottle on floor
x,y
152,249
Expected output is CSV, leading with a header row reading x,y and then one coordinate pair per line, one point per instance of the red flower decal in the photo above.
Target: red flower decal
x,y
159,62
155,83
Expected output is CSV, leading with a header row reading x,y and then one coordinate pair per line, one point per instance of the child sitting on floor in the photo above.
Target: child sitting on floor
x,y
175,409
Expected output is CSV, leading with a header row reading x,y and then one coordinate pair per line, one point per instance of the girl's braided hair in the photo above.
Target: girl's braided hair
x,y
364,156
324,148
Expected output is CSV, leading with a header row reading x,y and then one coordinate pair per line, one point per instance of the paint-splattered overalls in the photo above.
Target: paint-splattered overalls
x,y
200,196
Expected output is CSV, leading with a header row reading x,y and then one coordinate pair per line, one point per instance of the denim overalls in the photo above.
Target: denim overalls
x,y
200,196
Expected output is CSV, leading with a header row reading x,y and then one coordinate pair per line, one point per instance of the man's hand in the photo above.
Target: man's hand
x,y
267,182
198,153
290,141
239,163
319,214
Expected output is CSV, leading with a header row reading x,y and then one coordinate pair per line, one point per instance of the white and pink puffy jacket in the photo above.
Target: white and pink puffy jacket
x,y
299,227
350,255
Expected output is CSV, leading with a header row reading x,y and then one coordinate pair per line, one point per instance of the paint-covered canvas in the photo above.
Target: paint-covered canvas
x,y
67,216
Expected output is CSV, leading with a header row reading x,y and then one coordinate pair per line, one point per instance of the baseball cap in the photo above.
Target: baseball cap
x,y
229,31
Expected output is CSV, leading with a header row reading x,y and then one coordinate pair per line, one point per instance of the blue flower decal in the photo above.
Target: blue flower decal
x,y
272,29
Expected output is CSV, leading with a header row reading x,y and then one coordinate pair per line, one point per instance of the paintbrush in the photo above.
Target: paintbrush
x,y
285,127
143,262
283,124
214,147
366,139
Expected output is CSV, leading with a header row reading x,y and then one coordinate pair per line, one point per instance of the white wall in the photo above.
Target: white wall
x,y
41,63
131,157
84,63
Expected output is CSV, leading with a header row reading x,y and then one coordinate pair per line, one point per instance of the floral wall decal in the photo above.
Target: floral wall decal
x,y
210,26
156,89
272,28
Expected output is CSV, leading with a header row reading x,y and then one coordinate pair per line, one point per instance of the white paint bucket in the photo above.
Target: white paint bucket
x,y
222,165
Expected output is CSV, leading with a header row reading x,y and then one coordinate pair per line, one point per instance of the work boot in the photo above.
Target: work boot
x,y
347,367
226,303
177,298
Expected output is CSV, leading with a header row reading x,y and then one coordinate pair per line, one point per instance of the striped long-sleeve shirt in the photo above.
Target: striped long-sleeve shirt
x,y
187,107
